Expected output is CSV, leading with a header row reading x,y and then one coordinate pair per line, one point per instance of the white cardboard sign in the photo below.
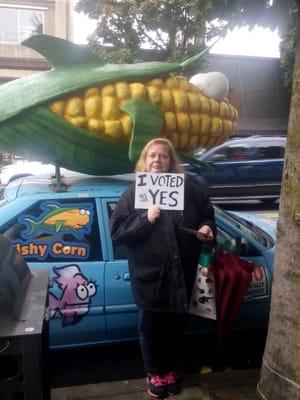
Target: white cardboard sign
x,y
165,190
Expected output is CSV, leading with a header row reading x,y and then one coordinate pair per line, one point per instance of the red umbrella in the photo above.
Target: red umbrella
x,y
232,277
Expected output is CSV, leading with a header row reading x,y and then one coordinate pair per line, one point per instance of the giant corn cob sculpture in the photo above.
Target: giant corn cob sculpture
x,y
96,118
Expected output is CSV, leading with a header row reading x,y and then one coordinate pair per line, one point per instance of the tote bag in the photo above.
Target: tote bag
x,y
203,300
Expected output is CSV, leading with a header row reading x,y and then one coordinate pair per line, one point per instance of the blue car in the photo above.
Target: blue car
x,y
243,168
65,230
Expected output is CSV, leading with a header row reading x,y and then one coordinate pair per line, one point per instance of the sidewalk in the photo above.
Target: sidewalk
x,y
231,385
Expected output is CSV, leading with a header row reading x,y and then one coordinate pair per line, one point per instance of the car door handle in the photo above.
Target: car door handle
x,y
126,276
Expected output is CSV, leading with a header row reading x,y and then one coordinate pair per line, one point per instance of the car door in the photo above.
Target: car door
x,y
63,236
120,307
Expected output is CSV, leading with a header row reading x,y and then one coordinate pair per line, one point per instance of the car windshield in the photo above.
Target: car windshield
x,y
247,227
2,200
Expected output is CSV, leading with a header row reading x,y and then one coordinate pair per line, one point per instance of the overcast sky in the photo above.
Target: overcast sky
x,y
259,42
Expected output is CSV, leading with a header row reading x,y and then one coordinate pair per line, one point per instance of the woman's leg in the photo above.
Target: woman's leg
x,y
161,340
150,335
153,352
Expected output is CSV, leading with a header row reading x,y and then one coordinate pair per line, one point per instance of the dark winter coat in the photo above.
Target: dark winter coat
x,y
162,258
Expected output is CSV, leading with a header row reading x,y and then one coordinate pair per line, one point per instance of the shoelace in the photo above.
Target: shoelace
x,y
157,380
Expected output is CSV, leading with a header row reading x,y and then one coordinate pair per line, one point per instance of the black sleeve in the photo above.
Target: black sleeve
x,y
128,225
206,213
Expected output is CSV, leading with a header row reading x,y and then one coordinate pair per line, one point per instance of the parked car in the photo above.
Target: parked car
x,y
66,232
243,168
21,168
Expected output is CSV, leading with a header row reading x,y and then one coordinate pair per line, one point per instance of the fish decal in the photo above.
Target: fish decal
x,y
95,118
60,219
76,293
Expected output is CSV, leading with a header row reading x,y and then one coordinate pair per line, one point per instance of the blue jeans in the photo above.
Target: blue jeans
x,y
161,340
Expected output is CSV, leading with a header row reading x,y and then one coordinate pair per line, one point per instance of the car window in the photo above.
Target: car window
x,y
267,152
64,230
248,228
218,155
225,241
230,153
119,250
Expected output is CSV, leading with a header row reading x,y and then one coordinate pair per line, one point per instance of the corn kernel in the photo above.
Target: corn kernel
x,y
183,140
195,125
113,128
183,122
172,83
204,104
193,102
108,90
235,113
110,108
122,90
216,126
205,124
169,121
214,107
126,122
79,121
158,83
58,107
154,95
202,140
180,100
174,137
183,84
211,141
92,91
137,91
74,107
227,127
167,102
95,125
223,110
192,143
92,107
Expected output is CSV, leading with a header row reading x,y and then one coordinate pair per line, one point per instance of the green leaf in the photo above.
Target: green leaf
x,y
61,52
44,136
147,123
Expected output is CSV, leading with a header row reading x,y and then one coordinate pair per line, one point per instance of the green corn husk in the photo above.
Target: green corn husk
x,y
28,128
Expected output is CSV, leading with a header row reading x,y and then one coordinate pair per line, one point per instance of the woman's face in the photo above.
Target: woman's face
x,y
158,159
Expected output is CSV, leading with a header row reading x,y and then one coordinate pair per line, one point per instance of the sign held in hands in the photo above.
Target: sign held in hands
x,y
165,190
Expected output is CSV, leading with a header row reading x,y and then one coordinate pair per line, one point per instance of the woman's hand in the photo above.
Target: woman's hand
x,y
153,213
205,233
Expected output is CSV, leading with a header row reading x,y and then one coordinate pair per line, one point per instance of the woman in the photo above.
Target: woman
x,y
163,260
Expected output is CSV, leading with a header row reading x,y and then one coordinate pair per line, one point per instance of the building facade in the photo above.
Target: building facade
x,y
20,19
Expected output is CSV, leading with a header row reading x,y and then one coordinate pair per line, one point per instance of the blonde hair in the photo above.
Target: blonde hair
x,y
174,159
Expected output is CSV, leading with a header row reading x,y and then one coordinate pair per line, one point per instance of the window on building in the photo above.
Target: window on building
x,y
17,24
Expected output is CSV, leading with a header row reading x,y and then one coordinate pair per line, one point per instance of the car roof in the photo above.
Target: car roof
x,y
235,141
257,138
76,186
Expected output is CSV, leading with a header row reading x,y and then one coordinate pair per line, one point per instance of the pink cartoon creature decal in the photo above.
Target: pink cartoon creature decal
x,y
76,292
